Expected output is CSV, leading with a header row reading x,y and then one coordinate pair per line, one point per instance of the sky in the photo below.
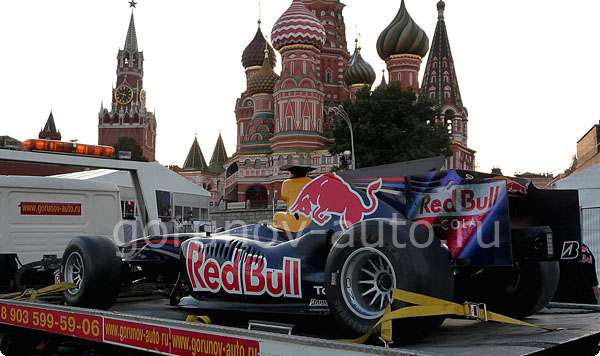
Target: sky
x,y
526,69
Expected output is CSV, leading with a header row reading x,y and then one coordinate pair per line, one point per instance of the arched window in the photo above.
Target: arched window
x,y
301,160
335,159
257,164
323,159
247,163
232,169
280,159
449,117
290,159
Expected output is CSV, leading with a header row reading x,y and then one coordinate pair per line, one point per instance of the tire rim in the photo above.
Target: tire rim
x,y
74,271
368,281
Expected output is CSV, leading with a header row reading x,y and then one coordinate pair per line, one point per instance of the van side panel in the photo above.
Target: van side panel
x,y
38,222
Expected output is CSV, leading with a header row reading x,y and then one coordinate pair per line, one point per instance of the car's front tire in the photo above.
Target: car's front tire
x,y
93,264
371,259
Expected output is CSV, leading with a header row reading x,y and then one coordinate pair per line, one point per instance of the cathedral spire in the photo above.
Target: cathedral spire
x,y
439,80
195,159
219,155
131,44
383,83
49,132
441,84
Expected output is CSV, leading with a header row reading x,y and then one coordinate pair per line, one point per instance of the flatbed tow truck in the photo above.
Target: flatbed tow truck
x,y
151,326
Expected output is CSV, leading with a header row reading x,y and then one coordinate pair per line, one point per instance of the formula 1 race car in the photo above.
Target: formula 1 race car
x,y
347,240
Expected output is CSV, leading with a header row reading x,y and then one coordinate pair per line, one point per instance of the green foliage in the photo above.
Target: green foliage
x,y
389,126
126,143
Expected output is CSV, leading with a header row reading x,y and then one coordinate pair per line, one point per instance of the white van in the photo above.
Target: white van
x,y
40,215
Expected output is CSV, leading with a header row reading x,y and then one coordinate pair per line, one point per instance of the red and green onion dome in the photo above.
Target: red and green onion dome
x,y
263,81
254,53
359,72
298,26
402,36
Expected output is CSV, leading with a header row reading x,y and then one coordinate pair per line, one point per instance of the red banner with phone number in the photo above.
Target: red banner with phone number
x,y
133,334
71,324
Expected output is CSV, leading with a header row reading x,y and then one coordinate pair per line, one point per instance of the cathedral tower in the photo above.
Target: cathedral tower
x,y
440,83
261,129
402,45
128,115
299,95
334,53
252,60
359,73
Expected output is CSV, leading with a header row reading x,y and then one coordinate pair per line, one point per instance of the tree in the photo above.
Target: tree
x,y
126,143
389,126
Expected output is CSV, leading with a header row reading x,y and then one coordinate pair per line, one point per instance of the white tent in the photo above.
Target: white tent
x,y
184,191
185,197
587,183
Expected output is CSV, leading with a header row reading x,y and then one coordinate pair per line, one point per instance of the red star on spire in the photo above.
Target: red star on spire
x,y
132,3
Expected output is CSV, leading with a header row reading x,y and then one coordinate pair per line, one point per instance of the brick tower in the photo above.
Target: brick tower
x,y
128,115
334,53
441,84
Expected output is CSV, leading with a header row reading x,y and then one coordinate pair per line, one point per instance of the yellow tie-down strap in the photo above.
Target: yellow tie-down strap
x,y
32,294
429,306
199,319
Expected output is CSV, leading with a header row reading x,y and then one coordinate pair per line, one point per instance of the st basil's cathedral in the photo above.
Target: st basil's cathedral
x,y
284,119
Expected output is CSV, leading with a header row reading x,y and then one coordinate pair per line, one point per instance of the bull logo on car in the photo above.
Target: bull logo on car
x,y
329,195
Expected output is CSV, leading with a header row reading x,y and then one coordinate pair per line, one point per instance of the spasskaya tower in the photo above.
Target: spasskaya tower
x,y
128,115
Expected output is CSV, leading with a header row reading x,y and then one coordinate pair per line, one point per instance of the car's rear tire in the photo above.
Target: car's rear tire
x,y
93,264
358,262
518,292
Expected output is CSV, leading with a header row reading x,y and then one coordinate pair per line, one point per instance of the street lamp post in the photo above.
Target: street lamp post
x,y
339,110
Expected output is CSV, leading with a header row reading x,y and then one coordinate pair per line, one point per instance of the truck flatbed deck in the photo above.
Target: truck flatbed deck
x,y
152,325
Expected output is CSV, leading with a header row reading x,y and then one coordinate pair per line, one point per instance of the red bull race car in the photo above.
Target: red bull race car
x,y
347,240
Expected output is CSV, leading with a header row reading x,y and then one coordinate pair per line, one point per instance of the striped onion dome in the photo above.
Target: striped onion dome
x,y
402,36
253,55
298,25
359,72
263,81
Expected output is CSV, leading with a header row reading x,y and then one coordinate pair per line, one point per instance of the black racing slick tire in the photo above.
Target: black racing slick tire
x,y
371,259
517,291
93,264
